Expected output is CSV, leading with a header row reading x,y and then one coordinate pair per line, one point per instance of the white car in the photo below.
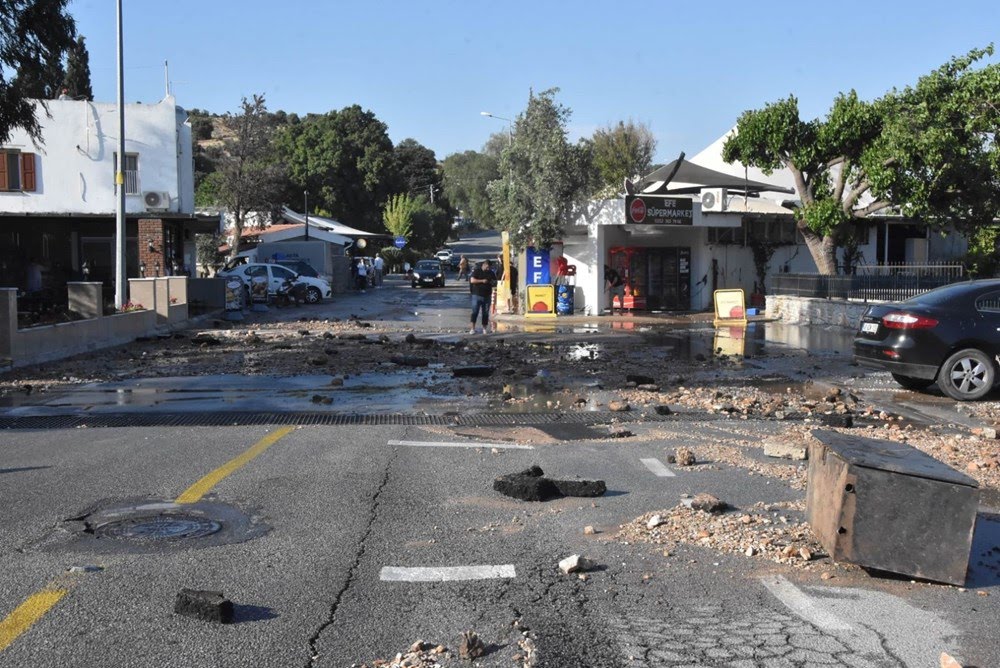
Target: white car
x,y
444,255
276,275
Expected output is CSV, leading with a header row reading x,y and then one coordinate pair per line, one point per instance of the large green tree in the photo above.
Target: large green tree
x,y
345,160
543,177
397,215
416,168
466,177
249,177
928,152
77,81
34,35
622,151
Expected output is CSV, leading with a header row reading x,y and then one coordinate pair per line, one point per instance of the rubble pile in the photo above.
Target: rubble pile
x,y
748,401
420,655
762,531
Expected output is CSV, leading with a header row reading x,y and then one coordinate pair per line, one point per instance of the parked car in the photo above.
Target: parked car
x,y
316,288
448,258
950,335
428,272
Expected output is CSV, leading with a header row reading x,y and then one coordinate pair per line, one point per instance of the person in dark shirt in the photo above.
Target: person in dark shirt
x,y
481,285
614,284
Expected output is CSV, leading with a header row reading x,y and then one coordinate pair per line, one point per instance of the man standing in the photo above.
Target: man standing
x,y
615,286
379,268
481,288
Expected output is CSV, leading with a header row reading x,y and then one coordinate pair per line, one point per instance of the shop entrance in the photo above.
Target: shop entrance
x,y
655,278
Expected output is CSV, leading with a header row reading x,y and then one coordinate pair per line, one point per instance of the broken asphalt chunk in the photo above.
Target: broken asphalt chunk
x,y
580,487
471,646
532,485
705,503
473,371
210,606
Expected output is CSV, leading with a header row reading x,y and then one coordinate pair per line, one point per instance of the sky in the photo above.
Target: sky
x,y
427,68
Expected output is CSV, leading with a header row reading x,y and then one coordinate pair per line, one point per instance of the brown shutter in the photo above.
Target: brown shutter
x,y
3,170
28,172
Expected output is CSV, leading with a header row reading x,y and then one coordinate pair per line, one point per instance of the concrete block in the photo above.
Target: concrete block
x,y
210,606
785,450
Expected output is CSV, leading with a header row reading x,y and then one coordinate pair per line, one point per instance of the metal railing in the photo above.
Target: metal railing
x,y
131,181
870,282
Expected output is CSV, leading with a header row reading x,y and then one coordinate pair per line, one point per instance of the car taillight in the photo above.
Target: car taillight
x,y
904,320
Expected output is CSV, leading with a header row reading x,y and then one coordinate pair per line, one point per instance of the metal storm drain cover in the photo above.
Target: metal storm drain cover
x,y
159,527
143,526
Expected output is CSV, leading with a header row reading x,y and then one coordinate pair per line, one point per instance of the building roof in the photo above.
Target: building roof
x,y
682,177
328,224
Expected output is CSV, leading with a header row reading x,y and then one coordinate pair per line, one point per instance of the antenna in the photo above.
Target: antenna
x,y
166,78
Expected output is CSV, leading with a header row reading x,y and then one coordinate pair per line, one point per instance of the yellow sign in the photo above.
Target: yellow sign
x,y
541,301
730,341
730,307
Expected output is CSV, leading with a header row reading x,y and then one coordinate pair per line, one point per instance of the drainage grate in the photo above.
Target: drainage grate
x,y
159,527
235,419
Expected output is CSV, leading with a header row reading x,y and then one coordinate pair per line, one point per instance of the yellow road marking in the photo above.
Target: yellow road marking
x,y
194,493
26,614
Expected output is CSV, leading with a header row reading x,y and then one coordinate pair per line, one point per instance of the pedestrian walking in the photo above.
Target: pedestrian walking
x,y
463,268
481,285
615,286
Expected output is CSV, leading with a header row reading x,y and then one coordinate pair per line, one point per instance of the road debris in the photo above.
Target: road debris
x,y
209,606
532,485
471,646
420,655
576,564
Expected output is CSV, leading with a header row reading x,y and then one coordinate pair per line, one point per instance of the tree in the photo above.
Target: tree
x,y
465,177
398,215
249,177
622,151
345,160
34,34
927,152
431,225
77,80
543,178
416,167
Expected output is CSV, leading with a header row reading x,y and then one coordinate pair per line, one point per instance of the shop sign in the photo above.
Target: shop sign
x,y
650,210
234,294
538,266
541,301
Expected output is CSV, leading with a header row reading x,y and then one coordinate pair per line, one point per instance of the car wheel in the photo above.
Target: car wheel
x,y
967,375
313,296
911,383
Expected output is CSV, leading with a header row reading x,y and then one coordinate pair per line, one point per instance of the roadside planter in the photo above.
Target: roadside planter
x,y
889,506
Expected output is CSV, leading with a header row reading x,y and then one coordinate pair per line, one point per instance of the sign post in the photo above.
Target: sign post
x,y
400,242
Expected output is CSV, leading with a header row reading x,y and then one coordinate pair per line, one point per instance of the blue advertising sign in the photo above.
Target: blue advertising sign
x,y
400,242
538,266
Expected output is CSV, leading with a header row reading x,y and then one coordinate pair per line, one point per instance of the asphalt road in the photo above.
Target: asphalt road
x,y
329,532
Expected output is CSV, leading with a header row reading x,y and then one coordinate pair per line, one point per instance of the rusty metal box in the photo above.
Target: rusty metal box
x,y
889,506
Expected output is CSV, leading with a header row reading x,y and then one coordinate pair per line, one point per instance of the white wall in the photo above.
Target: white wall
x,y
75,165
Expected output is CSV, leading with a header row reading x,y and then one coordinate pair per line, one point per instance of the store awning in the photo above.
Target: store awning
x,y
682,177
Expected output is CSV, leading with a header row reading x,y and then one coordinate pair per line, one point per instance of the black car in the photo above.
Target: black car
x,y
300,267
950,335
428,272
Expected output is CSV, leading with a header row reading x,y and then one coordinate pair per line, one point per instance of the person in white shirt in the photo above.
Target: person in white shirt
x,y
362,275
379,268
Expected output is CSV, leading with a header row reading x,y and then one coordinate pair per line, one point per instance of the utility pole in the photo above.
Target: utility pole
x,y
432,192
305,195
120,174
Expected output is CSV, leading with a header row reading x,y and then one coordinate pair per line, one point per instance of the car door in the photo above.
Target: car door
x,y
278,277
988,307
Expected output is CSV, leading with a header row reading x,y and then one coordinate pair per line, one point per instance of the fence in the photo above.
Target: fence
x,y
870,282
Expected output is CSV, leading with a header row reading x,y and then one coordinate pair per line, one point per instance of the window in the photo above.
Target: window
x,y
989,303
131,173
282,273
17,171
725,236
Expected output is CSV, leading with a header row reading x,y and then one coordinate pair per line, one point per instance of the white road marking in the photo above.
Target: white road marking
x,y
657,468
446,573
802,605
439,444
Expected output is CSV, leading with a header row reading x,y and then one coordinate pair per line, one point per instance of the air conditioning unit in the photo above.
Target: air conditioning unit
x,y
713,199
156,201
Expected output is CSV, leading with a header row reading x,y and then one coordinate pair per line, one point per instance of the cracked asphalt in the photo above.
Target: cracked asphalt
x,y
342,503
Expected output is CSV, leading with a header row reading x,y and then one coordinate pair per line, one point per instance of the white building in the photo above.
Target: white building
x,y
58,199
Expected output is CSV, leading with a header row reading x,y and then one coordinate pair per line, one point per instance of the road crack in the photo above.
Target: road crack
x,y
353,570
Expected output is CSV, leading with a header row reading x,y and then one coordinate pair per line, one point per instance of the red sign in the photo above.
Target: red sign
x,y
637,210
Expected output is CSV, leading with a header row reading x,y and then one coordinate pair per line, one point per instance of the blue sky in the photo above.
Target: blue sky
x,y
428,68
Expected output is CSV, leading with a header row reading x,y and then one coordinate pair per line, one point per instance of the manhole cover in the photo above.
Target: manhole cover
x,y
159,527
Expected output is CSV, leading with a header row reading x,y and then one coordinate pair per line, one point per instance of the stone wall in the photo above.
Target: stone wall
x,y
813,311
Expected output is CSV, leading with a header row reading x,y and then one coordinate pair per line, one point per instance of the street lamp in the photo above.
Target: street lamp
x,y
510,124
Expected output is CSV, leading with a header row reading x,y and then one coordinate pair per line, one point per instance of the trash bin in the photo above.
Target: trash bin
x,y
564,300
889,506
